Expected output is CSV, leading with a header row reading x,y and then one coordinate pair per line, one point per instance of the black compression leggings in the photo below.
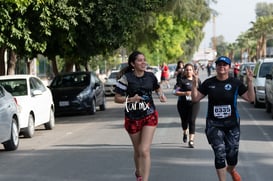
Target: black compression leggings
x,y
188,113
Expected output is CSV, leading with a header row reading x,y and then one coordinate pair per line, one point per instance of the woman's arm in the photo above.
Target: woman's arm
x,y
122,99
161,95
119,98
249,95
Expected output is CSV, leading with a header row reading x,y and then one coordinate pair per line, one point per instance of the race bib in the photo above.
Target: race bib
x,y
222,111
188,98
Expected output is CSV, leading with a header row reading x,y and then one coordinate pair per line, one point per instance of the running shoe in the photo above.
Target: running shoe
x,y
138,178
185,138
235,176
191,145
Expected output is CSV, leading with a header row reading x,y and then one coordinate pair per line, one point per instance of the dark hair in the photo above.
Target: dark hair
x,y
188,64
131,59
178,65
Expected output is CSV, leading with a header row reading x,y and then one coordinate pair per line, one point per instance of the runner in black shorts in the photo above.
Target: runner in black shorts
x,y
223,121
134,88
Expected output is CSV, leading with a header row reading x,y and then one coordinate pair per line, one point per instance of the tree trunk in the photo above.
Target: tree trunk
x,y
69,67
87,67
12,60
263,46
258,53
54,66
77,66
28,62
2,61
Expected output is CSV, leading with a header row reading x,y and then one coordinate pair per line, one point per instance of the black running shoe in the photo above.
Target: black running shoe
x,y
185,138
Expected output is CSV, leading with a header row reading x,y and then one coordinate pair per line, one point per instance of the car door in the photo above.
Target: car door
x,y
4,104
98,88
41,101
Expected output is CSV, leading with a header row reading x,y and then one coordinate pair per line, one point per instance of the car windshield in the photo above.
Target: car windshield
x,y
172,67
17,87
265,69
113,75
71,80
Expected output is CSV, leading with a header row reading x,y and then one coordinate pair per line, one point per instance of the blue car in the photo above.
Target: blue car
x,y
77,92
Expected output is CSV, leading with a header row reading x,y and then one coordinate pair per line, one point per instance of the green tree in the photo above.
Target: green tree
x,y
261,28
78,31
17,35
175,33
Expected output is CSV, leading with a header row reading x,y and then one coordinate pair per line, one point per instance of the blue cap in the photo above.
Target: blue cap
x,y
223,59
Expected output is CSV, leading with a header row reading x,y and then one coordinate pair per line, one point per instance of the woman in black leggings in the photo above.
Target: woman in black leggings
x,y
186,108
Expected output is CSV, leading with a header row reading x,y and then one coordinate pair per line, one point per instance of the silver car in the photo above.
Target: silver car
x,y
9,124
110,83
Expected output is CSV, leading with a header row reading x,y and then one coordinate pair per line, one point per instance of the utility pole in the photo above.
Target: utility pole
x,y
214,40
214,32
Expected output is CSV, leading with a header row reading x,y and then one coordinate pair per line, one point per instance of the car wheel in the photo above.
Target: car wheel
x,y
257,104
103,105
93,107
13,143
267,106
272,112
29,131
51,123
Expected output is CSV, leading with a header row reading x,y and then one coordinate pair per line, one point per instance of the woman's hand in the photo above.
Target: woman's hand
x,y
249,75
162,98
135,98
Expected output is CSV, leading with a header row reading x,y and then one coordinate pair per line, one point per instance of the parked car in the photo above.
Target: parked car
x,y
121,66
9,122
156,70
269,92
77,92
242,72
34,100
110,83
262,67
172,68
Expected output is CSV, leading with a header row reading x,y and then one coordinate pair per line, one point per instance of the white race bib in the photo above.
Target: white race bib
x,y
222,111
188,98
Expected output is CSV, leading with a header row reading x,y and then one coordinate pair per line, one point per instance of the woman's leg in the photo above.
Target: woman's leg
x,y
215,138
182,110
142,143
135,138
183,119
193,114
145,147
221,173
232,148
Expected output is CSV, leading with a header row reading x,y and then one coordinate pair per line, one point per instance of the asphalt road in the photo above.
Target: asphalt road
x,y
97,148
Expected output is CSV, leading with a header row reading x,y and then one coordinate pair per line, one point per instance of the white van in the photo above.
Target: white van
x,y
262,67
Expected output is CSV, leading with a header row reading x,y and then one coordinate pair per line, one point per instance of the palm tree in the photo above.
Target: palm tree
x,y
260,30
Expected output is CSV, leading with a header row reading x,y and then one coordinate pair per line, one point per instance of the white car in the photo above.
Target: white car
x,y
110,83
156,70
172,68
34,100
262,67
9,125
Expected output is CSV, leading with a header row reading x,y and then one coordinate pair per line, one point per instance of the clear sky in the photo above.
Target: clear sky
x,y
234,18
